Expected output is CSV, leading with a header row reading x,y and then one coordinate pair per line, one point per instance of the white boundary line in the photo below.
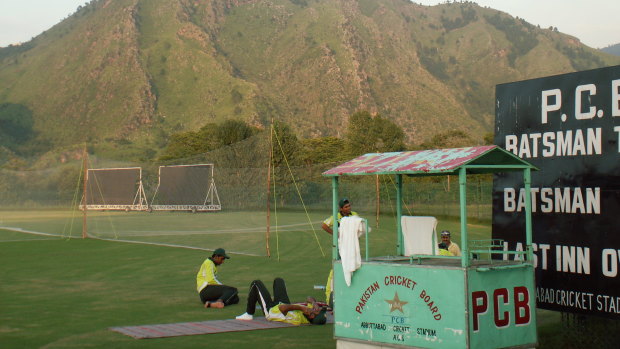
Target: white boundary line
x,y
50,239
171,245
20,230
144,233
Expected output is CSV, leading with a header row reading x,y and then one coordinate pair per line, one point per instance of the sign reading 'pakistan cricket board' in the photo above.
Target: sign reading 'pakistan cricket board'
x,y
390,304
429,307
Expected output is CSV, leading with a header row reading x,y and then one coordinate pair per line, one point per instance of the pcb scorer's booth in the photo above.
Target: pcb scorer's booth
x,y
419,298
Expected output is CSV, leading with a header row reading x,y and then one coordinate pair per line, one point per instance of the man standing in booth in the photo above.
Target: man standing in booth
x,y
344,210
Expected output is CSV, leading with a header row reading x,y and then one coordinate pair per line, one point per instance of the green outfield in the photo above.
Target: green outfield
x,y
61,291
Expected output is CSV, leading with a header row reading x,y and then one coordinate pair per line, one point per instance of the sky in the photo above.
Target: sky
x,y
594,22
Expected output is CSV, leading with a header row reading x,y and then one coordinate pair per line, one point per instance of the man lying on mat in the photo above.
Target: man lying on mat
x,y
214,294
280,308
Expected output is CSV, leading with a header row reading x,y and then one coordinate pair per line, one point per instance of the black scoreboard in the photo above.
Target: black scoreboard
x,y
569,127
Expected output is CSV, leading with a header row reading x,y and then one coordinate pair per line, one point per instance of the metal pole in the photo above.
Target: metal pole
x,y
527,179
463,202
378,198
335,215
366,238
400,250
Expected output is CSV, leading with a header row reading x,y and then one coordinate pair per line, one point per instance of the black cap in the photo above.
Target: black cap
x,y
445,233
343,202
220,252
320,318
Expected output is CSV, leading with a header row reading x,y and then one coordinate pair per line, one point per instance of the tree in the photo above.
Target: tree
x,y
368,134
209,137
389,136
185,144
448,139
16,125
489,138
232,131
357,137
286,155
285,145
323,150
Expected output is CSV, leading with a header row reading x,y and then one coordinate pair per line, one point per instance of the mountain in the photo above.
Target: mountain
x,y
612,49
129,73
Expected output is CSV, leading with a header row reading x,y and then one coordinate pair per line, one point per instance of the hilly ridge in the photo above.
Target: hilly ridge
x,y
612,49
138,71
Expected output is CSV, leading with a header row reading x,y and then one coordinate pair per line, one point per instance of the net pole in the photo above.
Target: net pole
x,y
85,165
269,190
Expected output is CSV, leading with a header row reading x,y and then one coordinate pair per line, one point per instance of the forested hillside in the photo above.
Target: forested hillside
x,y
124,76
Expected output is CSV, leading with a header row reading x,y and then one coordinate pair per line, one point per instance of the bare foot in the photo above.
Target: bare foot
x,y
218,305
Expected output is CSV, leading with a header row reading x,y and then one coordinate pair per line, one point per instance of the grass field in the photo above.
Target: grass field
x,y
242,231
60,292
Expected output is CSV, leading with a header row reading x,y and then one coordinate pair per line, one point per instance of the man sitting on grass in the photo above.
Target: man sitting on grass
x,y
214,294
279,308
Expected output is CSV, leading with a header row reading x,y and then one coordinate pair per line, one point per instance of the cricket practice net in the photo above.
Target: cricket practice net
x,y
248,198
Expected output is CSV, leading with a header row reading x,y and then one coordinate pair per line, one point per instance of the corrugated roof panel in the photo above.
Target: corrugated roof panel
x,y
438,160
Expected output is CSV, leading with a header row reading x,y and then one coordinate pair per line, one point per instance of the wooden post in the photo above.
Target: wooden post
x,y
85,167
269,190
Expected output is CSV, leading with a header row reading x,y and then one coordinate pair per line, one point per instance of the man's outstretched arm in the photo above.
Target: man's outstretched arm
x,y
327,229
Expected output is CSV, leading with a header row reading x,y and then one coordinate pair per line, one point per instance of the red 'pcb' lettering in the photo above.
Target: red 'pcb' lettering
x,y
501,298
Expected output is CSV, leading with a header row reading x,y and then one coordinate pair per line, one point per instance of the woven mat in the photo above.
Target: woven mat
x,y
203,327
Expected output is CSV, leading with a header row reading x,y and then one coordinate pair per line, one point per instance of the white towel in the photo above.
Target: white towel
x,y
349,231
419,235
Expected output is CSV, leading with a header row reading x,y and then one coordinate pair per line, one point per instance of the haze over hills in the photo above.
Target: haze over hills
x,y
612,49
137,71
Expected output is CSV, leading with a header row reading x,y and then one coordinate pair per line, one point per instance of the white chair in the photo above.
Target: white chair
x,y
419,235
